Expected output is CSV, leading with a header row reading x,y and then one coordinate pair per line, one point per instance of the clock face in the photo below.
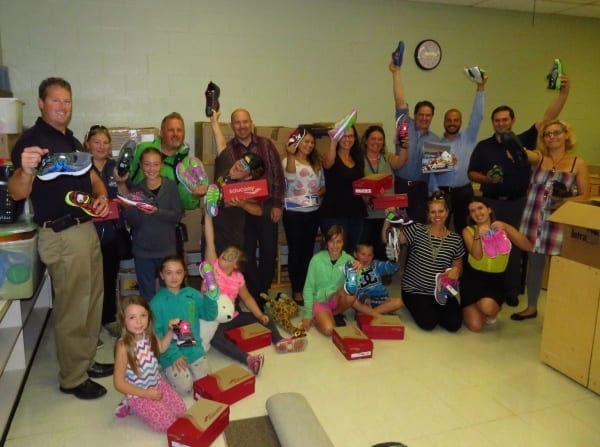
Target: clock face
x,y
428,54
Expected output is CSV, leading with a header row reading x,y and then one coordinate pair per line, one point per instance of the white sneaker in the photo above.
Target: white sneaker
x,y
475,74
393,244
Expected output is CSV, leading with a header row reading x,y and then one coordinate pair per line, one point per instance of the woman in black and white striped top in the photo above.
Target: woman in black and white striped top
x,y
433,249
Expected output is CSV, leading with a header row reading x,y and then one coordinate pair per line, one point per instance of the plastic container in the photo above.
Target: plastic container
x,y
18,265
11,115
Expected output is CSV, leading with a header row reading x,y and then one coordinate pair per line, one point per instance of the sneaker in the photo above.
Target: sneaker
x,y
137,199
190,173
402,123
515,149
209,285
342,125
99,344
491,321
255,363
296,137
475,74
393,244
212,94
81,200
288,345
398,55
351,283
496,172
212,199
70,163
399,216
554,76
502,242
125,157
123,410
488,243
339,319
444,287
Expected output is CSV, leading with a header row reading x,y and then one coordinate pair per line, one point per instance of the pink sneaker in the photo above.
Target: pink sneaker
x,y
488,244
502,242
255,362
287,345
122,410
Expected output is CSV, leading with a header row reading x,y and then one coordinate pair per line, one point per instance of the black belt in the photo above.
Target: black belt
x,y
411,182
454,188
64,222
503,198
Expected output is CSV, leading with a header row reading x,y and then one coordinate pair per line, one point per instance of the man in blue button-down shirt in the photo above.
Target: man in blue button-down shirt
x,y
456,184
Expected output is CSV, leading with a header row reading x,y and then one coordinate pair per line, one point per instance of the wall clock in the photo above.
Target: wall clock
x,y
428,54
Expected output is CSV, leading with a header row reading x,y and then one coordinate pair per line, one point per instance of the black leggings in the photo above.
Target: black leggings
x,y
427,313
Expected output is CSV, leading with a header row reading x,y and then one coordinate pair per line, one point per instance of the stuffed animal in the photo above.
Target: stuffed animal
x,y
225,313
282,309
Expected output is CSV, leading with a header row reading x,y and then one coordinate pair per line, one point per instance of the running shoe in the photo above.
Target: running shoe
x,y
81,200
351,283
445,287
475,74
398,216
255,363
496,172
190,173
212,199
402,123
342,126
125,157
137,199
554,76
212,94
123,410
393,244
488,243
288,345
209,285
502,242
70,163
182,334
296,137
398,55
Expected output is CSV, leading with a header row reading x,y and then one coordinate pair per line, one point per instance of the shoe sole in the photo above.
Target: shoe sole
x,y
125,157
341,126
398,55
83,156
140,205
86,208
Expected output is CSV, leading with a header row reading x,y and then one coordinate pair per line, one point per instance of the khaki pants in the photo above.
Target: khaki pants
x,y
74,262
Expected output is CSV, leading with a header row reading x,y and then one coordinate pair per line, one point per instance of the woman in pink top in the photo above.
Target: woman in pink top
x,y
231,283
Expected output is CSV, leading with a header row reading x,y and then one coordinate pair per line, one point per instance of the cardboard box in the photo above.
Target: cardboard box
x,y
128,284
201,424
352,342
372,185
594,185
385,327
227,385
581,232
594,382
250,337
571,318
390,201
119,135
193,222
254,189
205,146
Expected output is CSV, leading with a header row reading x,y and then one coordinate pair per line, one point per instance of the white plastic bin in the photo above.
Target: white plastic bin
x,y
11,115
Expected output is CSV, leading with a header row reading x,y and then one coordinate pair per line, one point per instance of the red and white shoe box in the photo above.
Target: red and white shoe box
x,y
250,337
227,385
390,201
372,185
352,342
201,424
254,189
384,327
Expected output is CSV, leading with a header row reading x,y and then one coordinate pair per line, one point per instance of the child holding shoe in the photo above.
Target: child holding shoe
x,y
147,394
230,280
182,364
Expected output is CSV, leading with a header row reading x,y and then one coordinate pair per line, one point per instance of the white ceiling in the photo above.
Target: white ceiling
x,y
582,8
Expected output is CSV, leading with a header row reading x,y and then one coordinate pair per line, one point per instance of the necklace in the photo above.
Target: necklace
x,y
555,163
373,163
435,251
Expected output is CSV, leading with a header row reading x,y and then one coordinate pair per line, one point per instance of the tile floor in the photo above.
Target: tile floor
x,y
431,389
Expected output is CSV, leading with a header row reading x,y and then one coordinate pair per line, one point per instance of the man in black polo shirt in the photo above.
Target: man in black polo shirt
x,y
67,240
506,192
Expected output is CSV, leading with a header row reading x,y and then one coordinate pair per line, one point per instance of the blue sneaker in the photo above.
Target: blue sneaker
x,y
398,55
70,163
351,284
125,157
